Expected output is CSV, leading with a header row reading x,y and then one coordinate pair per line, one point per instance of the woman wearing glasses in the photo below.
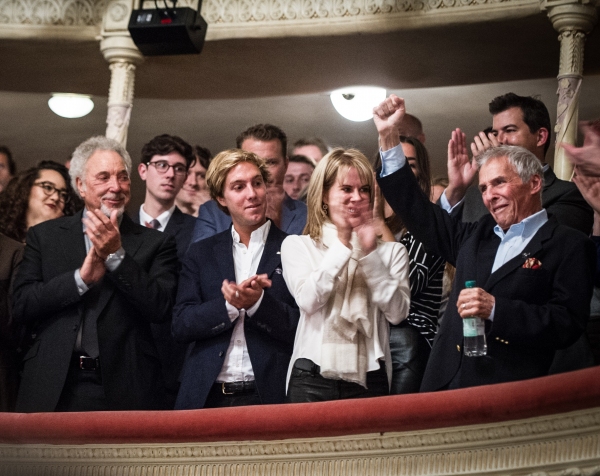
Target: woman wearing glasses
x,y
41,193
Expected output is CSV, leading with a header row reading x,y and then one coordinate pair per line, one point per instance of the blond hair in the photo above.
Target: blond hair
x,y
221,165
335,163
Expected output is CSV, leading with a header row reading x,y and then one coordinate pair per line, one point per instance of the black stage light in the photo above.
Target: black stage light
x,y
168,31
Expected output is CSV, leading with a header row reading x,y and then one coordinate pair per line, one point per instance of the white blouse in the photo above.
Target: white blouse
x,y
311,271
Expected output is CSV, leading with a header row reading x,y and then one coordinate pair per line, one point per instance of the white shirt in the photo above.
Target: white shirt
x,y
163,218
237,366
311,272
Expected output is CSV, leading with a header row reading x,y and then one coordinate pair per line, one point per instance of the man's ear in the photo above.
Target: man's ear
x,y
222,202
143,170
536,184
80,187
543,136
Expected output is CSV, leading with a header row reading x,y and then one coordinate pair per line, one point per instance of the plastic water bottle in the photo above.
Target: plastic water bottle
x,y
474,333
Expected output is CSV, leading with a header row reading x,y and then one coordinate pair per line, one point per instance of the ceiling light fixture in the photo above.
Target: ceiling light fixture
x,y
70,105
357,103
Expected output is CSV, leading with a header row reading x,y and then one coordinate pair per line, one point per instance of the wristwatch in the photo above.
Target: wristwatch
x,y
115,258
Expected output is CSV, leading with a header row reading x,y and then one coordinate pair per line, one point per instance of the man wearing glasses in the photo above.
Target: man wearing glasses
x,y
164,167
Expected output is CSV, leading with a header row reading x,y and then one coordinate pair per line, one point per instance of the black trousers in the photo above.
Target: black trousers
x,y
308,385
410,352
217,399
83,391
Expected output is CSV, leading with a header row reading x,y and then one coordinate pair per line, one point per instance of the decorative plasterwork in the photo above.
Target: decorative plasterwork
x,y
267,18
52,12
567,444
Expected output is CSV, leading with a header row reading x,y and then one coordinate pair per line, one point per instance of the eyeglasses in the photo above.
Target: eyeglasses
x,y
162,166
49,189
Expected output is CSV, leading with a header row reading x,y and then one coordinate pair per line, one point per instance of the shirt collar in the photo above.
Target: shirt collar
x,y
163,218
525,228
258,236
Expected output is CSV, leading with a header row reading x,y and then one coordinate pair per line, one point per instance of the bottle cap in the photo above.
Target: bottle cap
x,y
470,284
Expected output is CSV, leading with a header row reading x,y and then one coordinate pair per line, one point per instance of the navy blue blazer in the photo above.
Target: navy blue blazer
x,y
212,220
200,316
537,310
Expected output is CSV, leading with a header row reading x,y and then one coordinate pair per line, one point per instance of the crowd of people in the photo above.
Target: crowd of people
x,y
266,275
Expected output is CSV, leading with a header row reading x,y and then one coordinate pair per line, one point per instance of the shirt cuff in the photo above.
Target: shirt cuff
x,y
491,318
392,160
445,204
250,312
82,288
232,311
115,259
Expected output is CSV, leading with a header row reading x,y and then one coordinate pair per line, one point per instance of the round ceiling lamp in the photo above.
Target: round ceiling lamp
x,y
70,105
357,103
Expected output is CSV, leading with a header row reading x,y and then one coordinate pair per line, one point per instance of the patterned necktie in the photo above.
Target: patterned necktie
x,y
153,224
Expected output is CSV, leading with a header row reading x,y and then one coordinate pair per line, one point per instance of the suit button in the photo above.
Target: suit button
x,y
497,338
221,354
75,327
458,347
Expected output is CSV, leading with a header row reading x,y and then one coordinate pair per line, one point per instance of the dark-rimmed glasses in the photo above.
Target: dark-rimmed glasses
x,y
49,189
162,166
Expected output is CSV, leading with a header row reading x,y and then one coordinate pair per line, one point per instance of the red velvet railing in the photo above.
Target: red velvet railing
x,y
494,403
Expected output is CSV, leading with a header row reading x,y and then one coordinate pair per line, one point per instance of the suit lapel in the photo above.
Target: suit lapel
x,y
224,250
174,222
271,257
532,248
131,238
73,241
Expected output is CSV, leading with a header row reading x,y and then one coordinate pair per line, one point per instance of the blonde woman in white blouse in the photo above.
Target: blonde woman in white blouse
x,y
348,284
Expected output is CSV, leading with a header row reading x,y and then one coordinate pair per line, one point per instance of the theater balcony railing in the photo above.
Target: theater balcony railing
x,y
544,427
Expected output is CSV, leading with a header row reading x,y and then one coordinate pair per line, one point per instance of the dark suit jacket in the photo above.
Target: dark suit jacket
x,y
200,316
140,291
559,197
171,353
537,310
211,220
11,252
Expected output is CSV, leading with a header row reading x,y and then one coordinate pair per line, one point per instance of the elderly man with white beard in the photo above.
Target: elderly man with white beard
x,y
88,288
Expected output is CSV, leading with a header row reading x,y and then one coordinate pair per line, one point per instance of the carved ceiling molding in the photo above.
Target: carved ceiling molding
x,y
558,445
261,18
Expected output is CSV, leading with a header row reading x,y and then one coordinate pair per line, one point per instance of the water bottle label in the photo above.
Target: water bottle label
x,y
470,327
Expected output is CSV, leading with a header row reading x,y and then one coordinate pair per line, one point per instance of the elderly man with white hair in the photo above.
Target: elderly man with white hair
x,y
533,276
88,288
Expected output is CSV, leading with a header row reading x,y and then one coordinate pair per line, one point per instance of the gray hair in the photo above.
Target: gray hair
x,y
523,162
86,149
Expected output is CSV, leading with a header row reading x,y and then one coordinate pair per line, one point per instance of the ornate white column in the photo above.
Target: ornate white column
x,y
573,19
123,56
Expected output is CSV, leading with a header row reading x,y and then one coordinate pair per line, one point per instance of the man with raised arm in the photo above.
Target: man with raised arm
x,y
522,121
534,276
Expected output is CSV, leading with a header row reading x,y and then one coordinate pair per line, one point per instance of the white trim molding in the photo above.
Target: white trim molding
x,y
565,444
228,19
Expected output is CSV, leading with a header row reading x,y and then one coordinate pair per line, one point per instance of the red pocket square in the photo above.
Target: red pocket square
x,y
532,263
